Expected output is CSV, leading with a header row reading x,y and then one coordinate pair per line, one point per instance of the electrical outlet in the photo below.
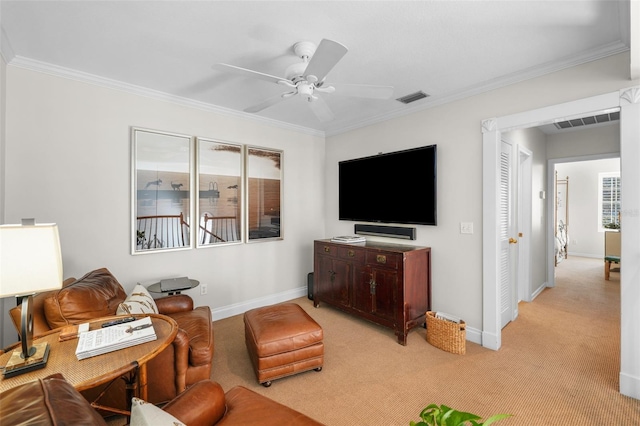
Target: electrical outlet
x,y
203,289
466,227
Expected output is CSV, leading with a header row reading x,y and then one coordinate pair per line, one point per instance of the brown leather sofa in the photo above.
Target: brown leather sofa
x,y
53,401
98,294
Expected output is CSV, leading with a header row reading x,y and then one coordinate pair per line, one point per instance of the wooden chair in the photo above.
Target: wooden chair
x,y
611,252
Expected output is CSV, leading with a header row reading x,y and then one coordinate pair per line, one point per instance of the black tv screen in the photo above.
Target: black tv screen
x,y
397,187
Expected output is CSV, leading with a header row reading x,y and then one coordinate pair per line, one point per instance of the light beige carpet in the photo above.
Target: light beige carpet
x,y
558,365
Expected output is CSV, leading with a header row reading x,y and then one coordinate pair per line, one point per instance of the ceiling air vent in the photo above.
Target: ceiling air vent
x,y
585,121
412,97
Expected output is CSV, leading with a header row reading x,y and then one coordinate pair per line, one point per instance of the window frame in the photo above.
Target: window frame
x,y
601,202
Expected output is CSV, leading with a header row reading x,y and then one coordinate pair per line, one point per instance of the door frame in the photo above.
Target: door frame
x,y
628,102
524,226
551,167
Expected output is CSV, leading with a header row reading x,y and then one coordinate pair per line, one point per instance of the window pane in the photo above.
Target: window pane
x,y
610,198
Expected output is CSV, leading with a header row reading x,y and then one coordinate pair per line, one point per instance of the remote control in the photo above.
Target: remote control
x,y
118,321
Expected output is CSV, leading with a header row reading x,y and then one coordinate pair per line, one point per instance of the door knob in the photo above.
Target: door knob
x,y
513,241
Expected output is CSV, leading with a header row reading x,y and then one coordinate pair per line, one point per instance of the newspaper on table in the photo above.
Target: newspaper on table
x,y
349,239
109,339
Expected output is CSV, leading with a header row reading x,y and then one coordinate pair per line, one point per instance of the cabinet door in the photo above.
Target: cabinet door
x,y
362,289
334,277
384,290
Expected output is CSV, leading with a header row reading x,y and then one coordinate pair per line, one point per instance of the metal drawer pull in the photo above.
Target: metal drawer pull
x,y
327,249
352,253
381,258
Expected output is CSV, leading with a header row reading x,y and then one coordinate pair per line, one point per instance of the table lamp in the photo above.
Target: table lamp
x,y
30,262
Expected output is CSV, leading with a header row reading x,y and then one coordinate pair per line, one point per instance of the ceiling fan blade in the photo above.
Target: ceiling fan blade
x,y
327,55
364,91
321,109
267,103
249,73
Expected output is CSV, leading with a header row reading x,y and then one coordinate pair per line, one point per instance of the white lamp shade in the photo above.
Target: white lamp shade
x,y
30,259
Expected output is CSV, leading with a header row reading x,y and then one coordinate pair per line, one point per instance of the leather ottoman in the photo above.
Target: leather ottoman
x,y
282,340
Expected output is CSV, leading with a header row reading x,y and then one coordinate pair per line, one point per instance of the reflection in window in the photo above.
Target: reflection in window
x,y
264,182
219,192
161,190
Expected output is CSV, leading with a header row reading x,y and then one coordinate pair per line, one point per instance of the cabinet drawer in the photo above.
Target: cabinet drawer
x,y
326,249
388,260
351,253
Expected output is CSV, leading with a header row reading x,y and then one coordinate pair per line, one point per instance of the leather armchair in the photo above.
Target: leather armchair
x,y
53,401
183,363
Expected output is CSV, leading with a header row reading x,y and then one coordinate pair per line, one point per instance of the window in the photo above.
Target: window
x,y
609,201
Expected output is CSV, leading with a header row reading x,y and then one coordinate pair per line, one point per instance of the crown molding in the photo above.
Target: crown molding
x,y
431,102
6,51
497,83
83,77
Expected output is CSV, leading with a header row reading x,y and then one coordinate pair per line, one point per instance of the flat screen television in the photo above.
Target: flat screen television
x,y
396,187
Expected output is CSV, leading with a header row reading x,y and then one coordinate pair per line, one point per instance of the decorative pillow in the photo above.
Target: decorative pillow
x,y
144,413
138,302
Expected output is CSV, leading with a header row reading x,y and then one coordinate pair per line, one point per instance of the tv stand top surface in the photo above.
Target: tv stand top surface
x,y
377,245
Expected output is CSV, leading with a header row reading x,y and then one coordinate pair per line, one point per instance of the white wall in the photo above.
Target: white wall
x,y
585,238
584,142
69,162
456,129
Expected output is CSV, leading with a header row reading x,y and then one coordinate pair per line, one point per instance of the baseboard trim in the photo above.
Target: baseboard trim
x,y
272,299
590,255
630,386
537,291
474,335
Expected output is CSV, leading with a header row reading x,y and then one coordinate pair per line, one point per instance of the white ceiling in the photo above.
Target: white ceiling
x,y
448,49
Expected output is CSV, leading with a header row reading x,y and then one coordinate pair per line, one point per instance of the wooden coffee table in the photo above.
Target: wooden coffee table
x,y
97,370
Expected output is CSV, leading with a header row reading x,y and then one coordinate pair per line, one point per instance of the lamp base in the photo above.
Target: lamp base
x,y
18,365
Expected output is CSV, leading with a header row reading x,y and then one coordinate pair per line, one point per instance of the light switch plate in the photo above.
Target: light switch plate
x,y
466,227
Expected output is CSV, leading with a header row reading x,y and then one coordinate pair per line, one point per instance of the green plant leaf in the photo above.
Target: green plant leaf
x,y
434,415
457,418
495,418
431,415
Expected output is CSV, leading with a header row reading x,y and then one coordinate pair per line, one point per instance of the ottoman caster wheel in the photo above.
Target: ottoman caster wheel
x,y
318,369
266,384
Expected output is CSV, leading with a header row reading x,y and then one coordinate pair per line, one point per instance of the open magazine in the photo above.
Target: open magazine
x,y
109,339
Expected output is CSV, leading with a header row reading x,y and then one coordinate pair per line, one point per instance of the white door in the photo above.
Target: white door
x,y
506,232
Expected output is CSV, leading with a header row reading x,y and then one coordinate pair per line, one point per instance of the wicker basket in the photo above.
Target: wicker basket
x,y
446,335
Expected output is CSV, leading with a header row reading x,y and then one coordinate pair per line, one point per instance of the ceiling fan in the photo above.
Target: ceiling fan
x,y
307,79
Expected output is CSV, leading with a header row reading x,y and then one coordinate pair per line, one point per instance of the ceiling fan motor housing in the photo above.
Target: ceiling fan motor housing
x,y
295,71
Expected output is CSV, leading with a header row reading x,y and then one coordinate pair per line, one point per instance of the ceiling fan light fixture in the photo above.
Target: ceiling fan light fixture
x,y
306,90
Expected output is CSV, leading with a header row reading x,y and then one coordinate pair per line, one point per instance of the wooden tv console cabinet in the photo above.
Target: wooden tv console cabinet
x,y
387,284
